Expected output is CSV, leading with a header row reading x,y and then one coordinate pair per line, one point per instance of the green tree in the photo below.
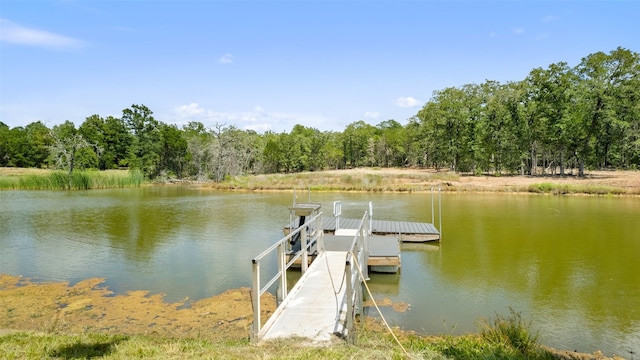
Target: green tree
x,y
498,128
553,91
199,149
605,79
392,145
29,145
147,139
449,120
355,143
70,149
173,150
5,144
117,143
272,154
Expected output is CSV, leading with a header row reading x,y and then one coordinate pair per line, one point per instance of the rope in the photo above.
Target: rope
x,y
384,321
333,286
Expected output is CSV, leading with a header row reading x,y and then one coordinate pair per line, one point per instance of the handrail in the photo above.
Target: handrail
x,y
356,273
311,232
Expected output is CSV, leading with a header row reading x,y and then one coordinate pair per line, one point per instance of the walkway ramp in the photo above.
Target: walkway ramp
x,y
316,307
322,305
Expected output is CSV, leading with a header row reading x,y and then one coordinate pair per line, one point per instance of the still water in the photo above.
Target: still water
x,y
570,264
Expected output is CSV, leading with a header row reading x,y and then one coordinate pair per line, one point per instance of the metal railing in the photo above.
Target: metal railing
x,y
356,274
310,233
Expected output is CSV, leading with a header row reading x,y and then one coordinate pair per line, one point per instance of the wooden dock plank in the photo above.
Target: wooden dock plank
x,y
313,310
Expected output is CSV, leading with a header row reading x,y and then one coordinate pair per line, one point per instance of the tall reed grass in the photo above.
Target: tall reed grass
x,y
79,180
563,189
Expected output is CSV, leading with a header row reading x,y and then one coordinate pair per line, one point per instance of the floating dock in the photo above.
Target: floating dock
x,y
406,231
384,251
322,306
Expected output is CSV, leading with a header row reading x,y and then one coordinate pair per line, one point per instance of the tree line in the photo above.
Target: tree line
x,y
558,118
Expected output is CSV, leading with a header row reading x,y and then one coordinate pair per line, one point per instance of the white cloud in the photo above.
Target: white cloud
x,y
17,34
257,119
492,34
372,115
542,36
407,102
519,31
192,109
226,59
550,18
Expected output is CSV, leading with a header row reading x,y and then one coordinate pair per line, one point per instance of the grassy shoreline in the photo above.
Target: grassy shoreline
x,y
490,343
38,179
369,345
419,180
625,183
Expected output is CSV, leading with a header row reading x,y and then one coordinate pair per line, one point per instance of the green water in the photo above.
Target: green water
x,y
570,264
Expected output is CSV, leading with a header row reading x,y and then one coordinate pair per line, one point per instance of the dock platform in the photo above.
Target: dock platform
x,y
384,251
406,231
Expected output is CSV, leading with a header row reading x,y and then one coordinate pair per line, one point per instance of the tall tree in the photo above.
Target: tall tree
x,y
147,139
5,145
71,149
173,150
603,80
199,150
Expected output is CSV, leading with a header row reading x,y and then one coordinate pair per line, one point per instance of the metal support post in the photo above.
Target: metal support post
x,y
255,297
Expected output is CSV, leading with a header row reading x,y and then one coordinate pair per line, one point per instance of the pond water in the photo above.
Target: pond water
x,y
570,264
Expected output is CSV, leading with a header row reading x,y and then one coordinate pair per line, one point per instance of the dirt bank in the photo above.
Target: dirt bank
x,y
627,180
423,180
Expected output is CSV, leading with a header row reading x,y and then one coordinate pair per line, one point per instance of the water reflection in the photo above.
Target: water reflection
x,y
569,263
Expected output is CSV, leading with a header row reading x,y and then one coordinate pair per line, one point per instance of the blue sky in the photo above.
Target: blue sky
x,y
268,65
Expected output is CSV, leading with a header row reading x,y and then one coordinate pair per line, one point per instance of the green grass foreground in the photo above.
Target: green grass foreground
x,y
78,180
505,337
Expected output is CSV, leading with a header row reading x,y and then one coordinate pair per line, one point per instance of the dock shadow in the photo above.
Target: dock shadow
x,y
87,350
